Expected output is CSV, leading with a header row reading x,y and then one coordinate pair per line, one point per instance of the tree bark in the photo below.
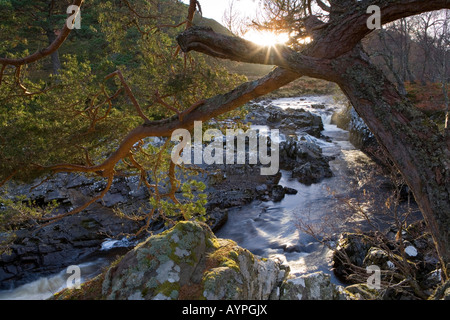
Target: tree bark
x,y
412,141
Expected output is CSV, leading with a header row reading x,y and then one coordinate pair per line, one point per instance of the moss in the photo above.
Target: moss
x,y
225,255
192,292
361,292
151,283
169,289
144,291
212,243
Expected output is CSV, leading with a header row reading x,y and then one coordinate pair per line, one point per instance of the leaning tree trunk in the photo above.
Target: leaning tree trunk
x,y
413,142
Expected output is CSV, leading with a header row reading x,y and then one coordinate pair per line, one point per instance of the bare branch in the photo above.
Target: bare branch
x,y
82,207
323,6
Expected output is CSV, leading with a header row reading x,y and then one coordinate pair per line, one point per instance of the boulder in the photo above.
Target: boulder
x,y
305,160
189,262
237,185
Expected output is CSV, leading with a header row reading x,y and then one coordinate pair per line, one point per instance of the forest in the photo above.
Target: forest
x,y
353,119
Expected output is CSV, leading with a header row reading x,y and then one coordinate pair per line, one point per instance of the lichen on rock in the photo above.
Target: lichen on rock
x,y
189,262
313,286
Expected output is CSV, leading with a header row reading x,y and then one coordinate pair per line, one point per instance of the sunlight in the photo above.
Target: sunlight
x,y
266,38
305,40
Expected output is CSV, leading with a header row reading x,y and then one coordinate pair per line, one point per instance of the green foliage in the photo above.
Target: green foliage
x,y
49,119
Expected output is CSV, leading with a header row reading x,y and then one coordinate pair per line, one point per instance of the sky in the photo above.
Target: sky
x,y
215,9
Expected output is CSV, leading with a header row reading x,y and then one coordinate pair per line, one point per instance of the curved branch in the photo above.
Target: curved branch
x,y
82,207
64,33
323,6
205,40
345,32
209,109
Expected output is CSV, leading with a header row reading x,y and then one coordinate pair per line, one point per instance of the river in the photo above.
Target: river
x,y
276,230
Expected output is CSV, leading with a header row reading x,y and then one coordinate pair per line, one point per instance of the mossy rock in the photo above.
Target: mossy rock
x,y
186,262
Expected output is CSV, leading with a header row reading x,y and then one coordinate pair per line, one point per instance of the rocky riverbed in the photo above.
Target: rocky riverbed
x,y
78,238
253,210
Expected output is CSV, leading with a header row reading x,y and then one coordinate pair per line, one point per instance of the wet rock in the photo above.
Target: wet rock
x,y
189,262
217,218
310,173
348,119
288,190
237,185
68,188
262,189
318,106
314,286
278,193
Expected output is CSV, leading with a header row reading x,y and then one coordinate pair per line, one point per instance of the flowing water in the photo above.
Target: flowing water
x,y
280,230
45,287
272,229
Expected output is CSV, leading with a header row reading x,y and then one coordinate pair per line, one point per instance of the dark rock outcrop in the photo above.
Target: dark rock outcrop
x,y
305,161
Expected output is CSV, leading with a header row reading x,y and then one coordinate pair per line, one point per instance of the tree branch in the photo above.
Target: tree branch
x,y
343,34
129,93
64,33
205,40
209,109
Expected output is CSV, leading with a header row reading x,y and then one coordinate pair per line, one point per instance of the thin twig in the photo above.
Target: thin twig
x,y
129,93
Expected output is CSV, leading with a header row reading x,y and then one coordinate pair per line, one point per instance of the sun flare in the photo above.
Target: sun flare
x,y
266,38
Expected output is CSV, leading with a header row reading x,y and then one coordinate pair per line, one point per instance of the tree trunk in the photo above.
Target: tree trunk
x,y
411,140
56,63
